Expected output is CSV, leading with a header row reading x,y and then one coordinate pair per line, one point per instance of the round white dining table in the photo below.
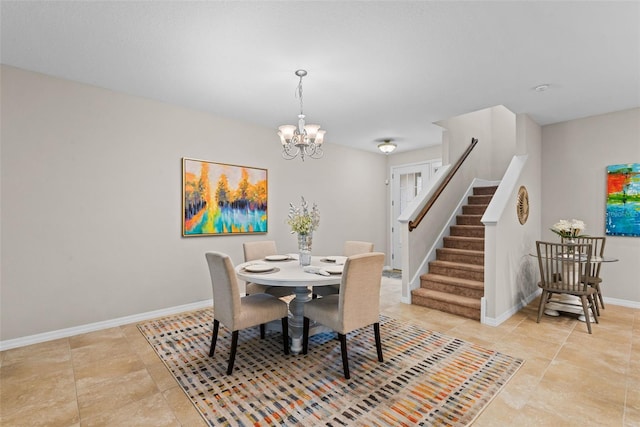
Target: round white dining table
x,y
290,273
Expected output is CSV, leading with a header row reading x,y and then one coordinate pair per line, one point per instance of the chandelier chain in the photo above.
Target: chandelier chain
x,y
299,94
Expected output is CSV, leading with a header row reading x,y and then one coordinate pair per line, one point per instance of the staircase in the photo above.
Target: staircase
x,y
455,281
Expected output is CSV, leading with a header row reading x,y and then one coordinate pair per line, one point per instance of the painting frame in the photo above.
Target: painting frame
x,y
223,199
623,200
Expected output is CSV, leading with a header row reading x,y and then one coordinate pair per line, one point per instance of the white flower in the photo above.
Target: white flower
x,y
565,228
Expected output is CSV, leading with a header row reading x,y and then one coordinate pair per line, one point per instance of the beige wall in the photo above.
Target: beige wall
x,y
91,189
575,156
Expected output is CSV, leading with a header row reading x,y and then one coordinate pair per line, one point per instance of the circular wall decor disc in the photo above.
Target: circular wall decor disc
x,y
522,206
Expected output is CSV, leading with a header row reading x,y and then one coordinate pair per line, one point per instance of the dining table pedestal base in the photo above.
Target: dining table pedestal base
x,y
566,304
296,319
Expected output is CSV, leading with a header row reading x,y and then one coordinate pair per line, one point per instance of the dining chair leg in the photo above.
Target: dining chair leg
x,y
232,355
262,331
214,337
305,335
600,295
376,332
593,301
543,299
585,309
285,334
345,358
595,305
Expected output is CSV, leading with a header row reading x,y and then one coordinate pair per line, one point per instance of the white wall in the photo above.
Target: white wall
x,y
575,155
91,211
511,276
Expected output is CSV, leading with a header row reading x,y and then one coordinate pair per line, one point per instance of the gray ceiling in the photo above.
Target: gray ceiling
x,y
376,69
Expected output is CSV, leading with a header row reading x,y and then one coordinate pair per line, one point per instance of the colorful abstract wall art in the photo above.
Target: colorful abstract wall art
x,y
623,200
222,199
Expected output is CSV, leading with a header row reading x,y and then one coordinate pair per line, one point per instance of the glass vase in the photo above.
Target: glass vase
x,y
304,248
571,242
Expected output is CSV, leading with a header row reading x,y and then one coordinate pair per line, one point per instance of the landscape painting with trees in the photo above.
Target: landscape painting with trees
x,y
222,199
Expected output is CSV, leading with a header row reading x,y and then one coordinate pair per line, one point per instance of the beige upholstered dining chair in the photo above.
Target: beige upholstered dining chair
x,y
237,312
258,250
597,254
564,269
351,247
356,306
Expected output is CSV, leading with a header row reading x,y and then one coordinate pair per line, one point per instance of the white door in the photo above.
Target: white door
x,y
406,183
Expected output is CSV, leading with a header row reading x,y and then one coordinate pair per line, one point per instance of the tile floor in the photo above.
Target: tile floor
x,y
113,377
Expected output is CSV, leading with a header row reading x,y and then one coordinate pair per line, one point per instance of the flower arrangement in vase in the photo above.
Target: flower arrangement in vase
x,y
569,229
303,221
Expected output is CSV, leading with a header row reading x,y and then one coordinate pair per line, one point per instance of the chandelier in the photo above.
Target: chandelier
x,y
303,140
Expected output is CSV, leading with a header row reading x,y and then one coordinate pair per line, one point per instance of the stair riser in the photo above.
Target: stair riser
x,y
456,272
469,220
462,258
467,232
472,245
467,312
479,200
452,289
474,209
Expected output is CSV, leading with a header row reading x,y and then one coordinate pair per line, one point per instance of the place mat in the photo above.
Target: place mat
x,y
427,378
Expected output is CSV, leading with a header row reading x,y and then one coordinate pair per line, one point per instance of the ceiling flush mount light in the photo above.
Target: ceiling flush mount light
x,y
387,146
303,140
542,87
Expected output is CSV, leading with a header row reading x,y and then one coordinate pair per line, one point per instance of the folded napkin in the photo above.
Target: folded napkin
x,y
316,270
293,256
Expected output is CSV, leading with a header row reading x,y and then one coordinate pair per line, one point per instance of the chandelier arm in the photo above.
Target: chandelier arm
x,y
290,151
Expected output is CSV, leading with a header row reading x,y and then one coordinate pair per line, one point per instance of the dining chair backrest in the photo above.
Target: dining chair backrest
x,y
226,296
259,249
563,266
354,247
597,251
359,300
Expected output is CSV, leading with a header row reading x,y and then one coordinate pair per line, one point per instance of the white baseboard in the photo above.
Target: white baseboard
x,y
504,316
622,302
82,329
496,321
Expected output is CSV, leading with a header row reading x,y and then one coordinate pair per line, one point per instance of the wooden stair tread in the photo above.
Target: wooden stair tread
x,y
468,283
474,239
459,265
461,251
448,298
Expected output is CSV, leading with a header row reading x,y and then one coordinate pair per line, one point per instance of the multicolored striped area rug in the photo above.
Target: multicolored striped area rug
x,y
427,378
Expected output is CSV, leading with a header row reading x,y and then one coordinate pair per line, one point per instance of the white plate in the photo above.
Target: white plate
x,y
276,257
258,268
337,259
337,269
